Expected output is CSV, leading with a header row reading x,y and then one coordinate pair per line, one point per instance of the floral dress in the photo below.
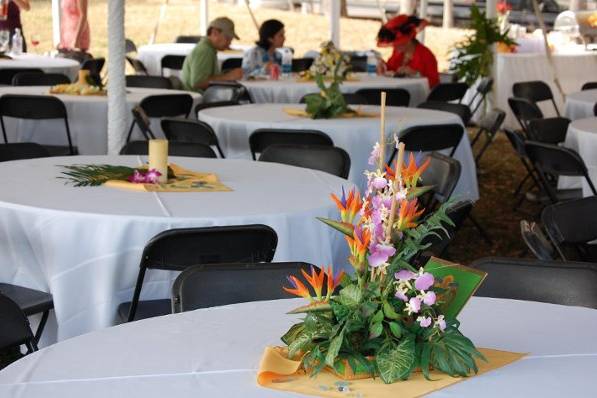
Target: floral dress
x,y
255,59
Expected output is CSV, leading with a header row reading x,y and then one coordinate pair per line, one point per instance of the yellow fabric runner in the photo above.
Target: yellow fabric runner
x,y
278,372
355,114
185,181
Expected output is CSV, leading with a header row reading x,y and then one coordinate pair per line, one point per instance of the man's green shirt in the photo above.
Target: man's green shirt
x,y
200,64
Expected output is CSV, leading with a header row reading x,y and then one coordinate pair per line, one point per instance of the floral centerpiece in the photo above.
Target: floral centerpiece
x,y
388,318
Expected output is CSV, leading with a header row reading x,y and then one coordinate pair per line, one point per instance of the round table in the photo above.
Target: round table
x,y
87,118
234,125
582,137
291,90
83,244
215,352
581,104
151,55
65,66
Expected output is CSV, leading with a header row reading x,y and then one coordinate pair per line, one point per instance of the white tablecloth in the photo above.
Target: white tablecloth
x,y
580,105
83,245
87,118
151,55
234,125
215,353
291,90
573,71
65,66
582,137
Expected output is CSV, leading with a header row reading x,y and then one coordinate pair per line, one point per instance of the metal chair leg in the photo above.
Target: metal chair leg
x,y
41,326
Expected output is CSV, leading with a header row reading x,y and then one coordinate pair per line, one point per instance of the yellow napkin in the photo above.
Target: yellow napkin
x,y
184,181
357,113
278,372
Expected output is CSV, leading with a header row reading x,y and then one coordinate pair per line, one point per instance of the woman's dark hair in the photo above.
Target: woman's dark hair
x,y
386,35
268,30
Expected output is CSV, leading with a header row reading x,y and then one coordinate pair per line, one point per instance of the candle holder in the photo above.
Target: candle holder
x,y
158,158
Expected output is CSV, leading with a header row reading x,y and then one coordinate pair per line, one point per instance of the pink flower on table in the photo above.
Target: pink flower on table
x,y
152,176
404,275
429,298
380,254
424,321
424,281
137,177
441,323
413,306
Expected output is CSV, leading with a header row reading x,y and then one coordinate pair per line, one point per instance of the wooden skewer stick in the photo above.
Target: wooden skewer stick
x,y
397,178
382,132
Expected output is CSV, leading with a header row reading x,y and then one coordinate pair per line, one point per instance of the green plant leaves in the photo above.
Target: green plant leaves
x,y
334,349
454,354
350,296
395,329
396,362
346,228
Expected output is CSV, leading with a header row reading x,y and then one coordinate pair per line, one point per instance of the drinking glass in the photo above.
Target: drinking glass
x,y
35,39
4,40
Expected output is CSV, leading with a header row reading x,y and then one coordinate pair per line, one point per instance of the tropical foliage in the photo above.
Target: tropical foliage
x,y
83,175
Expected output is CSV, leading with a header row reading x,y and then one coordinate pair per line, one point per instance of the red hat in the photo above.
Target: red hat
x,y
400,29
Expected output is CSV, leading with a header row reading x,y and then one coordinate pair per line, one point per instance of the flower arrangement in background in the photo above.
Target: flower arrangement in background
x,y
388,318
84,175
503,10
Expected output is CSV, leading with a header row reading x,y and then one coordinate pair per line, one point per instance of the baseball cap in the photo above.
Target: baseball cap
x,y
225,25
400,30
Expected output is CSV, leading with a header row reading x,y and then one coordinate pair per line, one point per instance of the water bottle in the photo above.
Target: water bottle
x,y
17,42
371,63
286,64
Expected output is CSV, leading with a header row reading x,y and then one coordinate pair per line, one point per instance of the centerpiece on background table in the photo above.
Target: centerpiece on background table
x,y
84,86
389,318
157,176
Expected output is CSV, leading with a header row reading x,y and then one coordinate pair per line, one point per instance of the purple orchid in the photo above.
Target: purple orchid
x,y
429,298
441,323
380,254
414,305
401,296
152,176
137,177
374,156
424,281
424,321
379,183
404,275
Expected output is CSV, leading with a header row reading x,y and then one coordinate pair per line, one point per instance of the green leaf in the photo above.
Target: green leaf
x,y
316,306
375,330
293,333
454,354
345,228
334,349
300,343
350,296
395,329
378,317
389,311
396,362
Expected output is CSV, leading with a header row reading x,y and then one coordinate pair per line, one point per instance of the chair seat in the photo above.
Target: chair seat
x,y
145,309
60,150
562,194
30,301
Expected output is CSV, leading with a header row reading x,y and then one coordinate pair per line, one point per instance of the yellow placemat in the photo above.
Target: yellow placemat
x,y
357,113
280,373
185,181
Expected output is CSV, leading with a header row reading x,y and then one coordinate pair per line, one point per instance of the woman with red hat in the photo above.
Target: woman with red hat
x,y
410,57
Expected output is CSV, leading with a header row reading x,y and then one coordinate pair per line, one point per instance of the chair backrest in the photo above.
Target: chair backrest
x,y
394,96
551,130
137,65
463,111
483,88
358,63
173,62
535,280
217,104
443,174
301,64
186,149
22,150
332,160
354,99
129,46
536,241
492,121
15,330
94,66
32,106
148,81
447,92
7,74
167,105
188,130
232,63
534,91
39,79
224,91
187,39
141,119
595,110
517,141
589,86
428,138
260,139
524,110
203,286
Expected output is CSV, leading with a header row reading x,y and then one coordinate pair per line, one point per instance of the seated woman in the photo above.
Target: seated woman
x,y
410,57
258,60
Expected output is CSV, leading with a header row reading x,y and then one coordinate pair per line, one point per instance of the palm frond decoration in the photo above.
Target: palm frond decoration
x,y
91,175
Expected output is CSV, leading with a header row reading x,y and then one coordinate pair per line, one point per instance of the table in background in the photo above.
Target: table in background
x,y
83,244
573,71
582,137
580,105
291,91
234,125
87,118
151,54
215,352
65,66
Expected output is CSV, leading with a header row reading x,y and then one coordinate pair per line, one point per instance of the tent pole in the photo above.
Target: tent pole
x,y
334,15
56,21
203,17
118,111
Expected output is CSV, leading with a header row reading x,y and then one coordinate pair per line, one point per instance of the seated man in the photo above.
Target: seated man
x,y
201,65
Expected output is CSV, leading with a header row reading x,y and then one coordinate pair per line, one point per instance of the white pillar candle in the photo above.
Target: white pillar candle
x,y
158,158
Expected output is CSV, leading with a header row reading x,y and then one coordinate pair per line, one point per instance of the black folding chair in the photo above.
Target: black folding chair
x,y
187,149
172,62
394,96
354,99
551,130
15,330
22,150
551,162
517,141
30,302
489,126
37,107
190,39
443,175
358,64
535,280
536,241
163,105
260,139
448,92
332,160
595,110
571,227
137,65
225,91
178,249
524,111
203,286
231,63
463,111
148,81
535,91
7,74
94,66
190,131
483,89
39,79
301,64
589,86
129,46
428,138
